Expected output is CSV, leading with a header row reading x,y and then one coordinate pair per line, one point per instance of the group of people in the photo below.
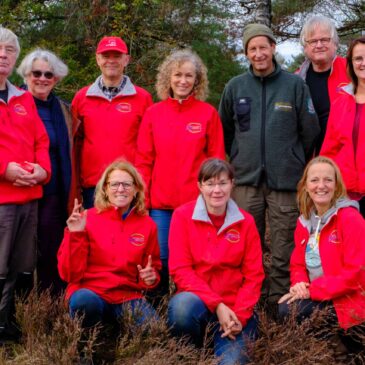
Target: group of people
x,y
150,196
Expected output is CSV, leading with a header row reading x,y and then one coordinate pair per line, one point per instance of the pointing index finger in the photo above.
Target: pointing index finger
x,y
149,262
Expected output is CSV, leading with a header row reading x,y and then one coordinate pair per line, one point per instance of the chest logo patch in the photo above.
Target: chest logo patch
x,y
19,109
232,236
136,239
333,237
123,107
194,128
283,106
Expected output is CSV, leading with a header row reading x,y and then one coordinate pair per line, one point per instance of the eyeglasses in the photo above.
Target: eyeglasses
x,y
358,60
324,41
127,185
210,185
37,74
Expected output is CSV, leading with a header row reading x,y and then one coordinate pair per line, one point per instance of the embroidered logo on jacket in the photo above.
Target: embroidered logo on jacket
x,y
232,236
19,109
333,237
136,239
194,128
123,107
283,106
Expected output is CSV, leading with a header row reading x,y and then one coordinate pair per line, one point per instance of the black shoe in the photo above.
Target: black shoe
x,y
10,334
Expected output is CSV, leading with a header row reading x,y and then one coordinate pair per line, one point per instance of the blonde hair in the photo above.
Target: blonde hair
x,y
305,202
101,197
176,59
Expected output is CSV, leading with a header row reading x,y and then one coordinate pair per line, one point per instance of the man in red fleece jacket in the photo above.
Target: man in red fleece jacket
x,y
110,111
24,166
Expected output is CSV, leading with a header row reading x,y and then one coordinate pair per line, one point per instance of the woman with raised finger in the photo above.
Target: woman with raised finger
x,y
216,264
327,264
176,136
42,70
110,254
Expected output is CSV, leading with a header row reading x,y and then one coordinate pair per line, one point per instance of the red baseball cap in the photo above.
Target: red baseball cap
x,y
112,44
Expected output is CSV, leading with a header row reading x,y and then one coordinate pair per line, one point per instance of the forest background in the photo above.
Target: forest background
x,y
152,28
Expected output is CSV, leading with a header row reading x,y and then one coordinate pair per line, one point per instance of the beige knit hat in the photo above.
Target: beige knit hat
x,y
255,30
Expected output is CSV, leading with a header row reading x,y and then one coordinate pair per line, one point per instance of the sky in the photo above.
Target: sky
x,y
289,48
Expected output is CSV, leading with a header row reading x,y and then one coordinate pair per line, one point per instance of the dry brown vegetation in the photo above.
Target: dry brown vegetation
x,y
51,337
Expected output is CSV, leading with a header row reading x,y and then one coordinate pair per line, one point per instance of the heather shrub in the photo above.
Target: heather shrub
x,y
50,336
313,341
150,343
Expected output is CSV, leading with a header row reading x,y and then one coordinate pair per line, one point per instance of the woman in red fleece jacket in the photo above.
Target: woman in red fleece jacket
x,y
327,267
216,264
175,137
345,137
110,253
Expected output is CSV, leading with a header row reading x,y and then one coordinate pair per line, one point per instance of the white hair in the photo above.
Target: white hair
x,y
59,69
318,21
7,36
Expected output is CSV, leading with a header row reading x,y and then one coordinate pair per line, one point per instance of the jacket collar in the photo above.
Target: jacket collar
x,y
233,214
185,103
303,70
113,213
13,91
276,71
128,89
332,212
348,89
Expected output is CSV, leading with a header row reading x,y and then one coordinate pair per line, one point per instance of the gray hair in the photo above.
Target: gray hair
x,y
7,36
59,69
320,21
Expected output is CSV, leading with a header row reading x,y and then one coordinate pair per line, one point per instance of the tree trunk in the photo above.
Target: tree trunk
x,y
263,12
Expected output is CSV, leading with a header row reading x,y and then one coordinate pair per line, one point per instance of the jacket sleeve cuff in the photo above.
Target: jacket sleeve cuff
x,y
3,167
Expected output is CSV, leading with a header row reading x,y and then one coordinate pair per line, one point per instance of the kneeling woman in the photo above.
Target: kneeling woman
x,y
216,264
110,253
328,263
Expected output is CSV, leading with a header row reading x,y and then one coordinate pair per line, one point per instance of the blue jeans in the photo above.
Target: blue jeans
x,y
189,316
304,308
162,218
95,309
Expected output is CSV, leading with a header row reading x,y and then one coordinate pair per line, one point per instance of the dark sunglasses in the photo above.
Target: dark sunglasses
x,y
37,74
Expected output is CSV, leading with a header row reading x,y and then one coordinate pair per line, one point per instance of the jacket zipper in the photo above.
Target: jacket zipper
x,y
263,125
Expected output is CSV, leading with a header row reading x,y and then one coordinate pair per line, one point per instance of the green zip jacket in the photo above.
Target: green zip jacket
x,y
269,126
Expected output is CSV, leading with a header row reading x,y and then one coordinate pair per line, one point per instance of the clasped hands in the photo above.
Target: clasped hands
x,y
230,325
25,174
296,292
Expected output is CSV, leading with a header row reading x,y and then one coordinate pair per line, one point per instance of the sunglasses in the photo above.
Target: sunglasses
x,y
37,74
